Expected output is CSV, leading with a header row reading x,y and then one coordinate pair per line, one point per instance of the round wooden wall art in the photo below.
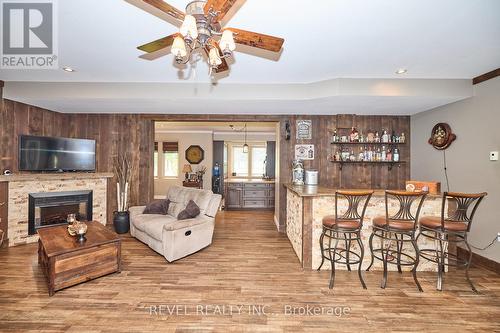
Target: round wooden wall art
x,y
195,154
441,136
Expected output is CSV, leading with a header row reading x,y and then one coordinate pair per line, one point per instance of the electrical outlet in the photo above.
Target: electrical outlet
x,y
498,237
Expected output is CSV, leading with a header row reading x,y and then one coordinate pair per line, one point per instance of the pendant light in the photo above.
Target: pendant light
x,y
245,146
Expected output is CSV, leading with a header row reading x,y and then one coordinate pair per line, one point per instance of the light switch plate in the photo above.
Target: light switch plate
x,y
493,156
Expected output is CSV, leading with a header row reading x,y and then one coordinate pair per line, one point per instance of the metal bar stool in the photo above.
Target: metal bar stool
x,y
347,228
399,228
452,227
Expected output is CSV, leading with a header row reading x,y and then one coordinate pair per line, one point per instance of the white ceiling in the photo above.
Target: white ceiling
x,y
325,40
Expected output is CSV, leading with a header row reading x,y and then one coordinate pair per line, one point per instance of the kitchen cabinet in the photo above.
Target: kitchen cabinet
x,y
249,195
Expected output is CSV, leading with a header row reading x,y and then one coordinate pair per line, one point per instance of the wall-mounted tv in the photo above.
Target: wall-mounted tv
x,y
41,153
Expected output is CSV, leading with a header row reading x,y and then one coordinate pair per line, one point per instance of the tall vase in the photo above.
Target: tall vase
x,y
121,222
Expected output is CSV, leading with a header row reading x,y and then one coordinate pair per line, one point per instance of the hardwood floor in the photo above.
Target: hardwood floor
x,y
249,263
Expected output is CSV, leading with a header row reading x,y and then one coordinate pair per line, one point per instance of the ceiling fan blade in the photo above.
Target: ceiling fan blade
x,y
158,44
166,8
257,40
220,6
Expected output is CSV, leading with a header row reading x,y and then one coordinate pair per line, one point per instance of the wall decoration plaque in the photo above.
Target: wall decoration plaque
x,y
195,154
304,129
441,136
304,152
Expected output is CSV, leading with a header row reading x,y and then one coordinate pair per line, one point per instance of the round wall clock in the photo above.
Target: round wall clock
x,y
195,154
441,136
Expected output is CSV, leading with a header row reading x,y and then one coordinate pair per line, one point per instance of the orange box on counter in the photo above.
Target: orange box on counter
x,y
433,187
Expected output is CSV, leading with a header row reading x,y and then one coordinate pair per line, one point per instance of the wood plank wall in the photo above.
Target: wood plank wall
x,y
135,134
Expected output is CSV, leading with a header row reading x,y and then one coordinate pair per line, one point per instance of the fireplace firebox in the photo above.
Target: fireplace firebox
x,y
52,208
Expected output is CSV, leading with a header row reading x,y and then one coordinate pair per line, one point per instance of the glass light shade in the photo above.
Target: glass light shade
x,y
188,27
227,41
179,47
245,148
214,57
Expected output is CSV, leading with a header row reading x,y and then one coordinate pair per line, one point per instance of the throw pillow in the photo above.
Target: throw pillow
x,y
157,207
191,211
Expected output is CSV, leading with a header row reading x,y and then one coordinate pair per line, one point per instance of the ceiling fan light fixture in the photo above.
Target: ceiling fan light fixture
x,y
227,43
179,49
214,57
188,28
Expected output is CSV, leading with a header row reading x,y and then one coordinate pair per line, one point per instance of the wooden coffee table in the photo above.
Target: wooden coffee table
x,y
67,262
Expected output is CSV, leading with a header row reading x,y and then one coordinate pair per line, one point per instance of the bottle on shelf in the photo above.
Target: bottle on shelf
x,y
361,155
383,156
354,136
352,157
361,137
385,137
377,137
394,138
395,156
389,154
402,138
337,157
335,137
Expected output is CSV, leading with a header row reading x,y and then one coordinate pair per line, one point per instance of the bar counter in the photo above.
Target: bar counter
x,y
306,207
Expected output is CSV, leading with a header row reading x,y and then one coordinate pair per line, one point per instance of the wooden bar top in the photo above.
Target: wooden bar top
x,y
20,177
322,191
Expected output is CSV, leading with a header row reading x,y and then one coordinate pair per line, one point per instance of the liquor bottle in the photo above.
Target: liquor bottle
x,y
336,157
335,137
383,156
385,137
354,137
394,137
377,137
352,157
389,154
361,137
402,138
395,157
361,155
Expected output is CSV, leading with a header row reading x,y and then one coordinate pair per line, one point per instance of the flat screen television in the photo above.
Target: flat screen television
x,y
41,153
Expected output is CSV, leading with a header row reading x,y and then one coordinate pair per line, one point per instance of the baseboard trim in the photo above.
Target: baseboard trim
x,y
479,260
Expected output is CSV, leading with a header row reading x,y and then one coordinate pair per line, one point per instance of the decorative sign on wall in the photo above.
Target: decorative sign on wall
x,y
441,136
304,129
304,152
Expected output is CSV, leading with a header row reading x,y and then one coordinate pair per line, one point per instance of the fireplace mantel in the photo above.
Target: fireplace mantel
x,y
22,177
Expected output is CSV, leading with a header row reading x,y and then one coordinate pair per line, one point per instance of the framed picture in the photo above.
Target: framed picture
x,y
304,152
304,129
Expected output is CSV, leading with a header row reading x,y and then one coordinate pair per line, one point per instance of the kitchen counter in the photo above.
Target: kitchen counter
x,y
249,181
307,205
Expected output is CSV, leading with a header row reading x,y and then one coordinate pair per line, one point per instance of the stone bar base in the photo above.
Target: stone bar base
x,y
305,213
20,186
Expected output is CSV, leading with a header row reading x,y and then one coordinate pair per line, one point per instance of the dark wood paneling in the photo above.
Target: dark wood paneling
x,y
134,134
4,208
487,76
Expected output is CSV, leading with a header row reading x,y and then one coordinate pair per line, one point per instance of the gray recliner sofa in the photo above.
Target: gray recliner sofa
x,y
170,237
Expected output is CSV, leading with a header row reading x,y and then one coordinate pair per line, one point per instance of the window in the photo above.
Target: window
x,y
240,162
247,165
155,161
170,159
258,158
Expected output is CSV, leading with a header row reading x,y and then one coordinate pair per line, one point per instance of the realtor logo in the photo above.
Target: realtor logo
x,y
29,39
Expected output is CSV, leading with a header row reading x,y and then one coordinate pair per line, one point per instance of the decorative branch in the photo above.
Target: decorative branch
x,y
123,168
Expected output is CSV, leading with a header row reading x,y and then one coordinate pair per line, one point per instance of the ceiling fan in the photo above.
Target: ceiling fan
x,y
201,30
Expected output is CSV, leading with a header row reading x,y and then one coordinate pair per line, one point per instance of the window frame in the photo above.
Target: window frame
x,y
230,151
161,160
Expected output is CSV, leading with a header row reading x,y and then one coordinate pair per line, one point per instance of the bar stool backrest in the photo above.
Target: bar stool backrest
x,y
465,207
407,202
355,199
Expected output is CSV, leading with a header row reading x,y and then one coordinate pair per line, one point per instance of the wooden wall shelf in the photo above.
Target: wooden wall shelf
x,y
390,164
368,143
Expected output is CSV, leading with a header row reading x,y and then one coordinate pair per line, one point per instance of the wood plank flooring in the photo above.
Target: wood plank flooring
x,y
248,264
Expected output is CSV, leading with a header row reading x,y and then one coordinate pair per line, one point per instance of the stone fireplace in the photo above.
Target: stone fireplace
x,y
56,185
52,208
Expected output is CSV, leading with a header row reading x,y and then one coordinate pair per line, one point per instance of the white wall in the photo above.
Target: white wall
x,y
476,123
202,139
